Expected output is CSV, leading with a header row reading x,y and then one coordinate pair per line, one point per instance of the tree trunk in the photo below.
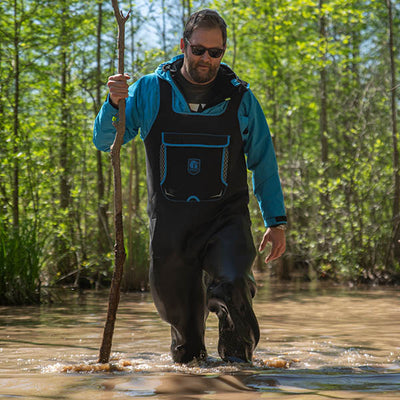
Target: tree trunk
x,y
234,39
135,154
128,279
133,46
3,191
103,239
323,135
15,189
186,11
323,116
64,148
396,165
132,278
64,254
164,27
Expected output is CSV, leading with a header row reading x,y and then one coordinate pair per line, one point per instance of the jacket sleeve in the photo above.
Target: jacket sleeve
x,y
261,160
141,110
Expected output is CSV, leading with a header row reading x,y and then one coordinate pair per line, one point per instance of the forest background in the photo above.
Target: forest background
x,y
324,72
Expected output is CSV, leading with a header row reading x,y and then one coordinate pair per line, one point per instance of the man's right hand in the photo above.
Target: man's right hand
x,y
118,86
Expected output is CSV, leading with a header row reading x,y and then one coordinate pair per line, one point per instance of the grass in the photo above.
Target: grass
x,y
20,252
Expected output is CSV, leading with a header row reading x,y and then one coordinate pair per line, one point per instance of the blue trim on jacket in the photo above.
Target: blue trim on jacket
x,y
142,108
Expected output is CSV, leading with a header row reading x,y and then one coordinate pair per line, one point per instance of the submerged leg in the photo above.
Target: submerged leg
x,y
238,327
230,254
179,296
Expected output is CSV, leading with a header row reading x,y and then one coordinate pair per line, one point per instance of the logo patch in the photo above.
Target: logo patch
x,y
193,166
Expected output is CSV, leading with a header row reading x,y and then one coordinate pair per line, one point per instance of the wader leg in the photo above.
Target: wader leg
x,y
231,286
179,296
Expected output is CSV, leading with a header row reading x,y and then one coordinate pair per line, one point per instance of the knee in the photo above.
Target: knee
x,y
231,291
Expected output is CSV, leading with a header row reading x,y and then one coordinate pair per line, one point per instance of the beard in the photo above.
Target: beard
x,y
200,75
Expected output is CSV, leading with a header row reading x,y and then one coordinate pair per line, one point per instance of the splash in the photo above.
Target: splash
x,y
278,363
165,364
90,367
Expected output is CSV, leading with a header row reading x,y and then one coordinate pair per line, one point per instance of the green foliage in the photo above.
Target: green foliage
x,y
340,211
20,263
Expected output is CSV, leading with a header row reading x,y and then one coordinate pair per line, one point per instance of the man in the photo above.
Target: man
x,y
198,120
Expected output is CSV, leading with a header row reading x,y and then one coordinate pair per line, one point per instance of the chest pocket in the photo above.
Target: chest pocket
x,y
194,166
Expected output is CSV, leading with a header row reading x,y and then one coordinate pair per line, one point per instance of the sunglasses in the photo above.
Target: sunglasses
x,y
213,52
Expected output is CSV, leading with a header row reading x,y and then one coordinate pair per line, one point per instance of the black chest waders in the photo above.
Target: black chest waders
x,y
200,240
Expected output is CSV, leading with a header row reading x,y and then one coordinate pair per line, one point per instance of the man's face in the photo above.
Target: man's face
x,y
202,69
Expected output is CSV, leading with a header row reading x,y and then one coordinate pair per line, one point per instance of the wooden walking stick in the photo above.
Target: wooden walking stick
x,y
119,249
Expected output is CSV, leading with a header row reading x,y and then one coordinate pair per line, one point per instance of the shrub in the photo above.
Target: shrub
x,y
20,252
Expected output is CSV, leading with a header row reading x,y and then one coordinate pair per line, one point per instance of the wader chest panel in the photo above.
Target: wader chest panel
x,y
194,167
194,158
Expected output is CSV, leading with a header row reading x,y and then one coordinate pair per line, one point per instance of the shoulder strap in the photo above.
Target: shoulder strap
x,y
165,97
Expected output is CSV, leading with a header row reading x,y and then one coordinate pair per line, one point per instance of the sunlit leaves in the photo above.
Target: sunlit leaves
x,y
281,53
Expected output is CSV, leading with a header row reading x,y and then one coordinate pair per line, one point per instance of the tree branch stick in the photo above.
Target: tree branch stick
x,y
119,249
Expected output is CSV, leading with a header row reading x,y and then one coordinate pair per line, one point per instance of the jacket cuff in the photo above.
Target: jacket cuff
x,y
109,101
275,221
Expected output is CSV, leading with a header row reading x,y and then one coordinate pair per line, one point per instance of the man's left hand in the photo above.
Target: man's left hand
x,y
277,239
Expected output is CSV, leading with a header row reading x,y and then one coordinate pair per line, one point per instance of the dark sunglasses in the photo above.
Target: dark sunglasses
x,y
213,52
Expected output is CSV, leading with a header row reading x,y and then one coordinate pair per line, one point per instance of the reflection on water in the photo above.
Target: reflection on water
x,y
338,343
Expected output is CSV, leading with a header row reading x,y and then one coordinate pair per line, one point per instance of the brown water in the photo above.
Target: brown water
x,y
339,344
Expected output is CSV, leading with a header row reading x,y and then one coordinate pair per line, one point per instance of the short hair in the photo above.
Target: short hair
x,y
204,19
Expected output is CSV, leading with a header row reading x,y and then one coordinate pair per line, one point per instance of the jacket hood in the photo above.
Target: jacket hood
x,y
171,65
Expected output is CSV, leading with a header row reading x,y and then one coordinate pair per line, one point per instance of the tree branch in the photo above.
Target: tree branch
x,y
119,249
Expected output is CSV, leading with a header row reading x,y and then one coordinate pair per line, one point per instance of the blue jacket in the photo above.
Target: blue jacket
x,y
141,111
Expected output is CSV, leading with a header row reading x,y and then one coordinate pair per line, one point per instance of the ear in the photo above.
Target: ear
x,y
182,45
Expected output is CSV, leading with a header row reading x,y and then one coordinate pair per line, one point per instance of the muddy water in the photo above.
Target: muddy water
x,y
338,343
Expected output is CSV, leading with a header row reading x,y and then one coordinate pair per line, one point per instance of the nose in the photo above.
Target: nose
x,y
205,56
